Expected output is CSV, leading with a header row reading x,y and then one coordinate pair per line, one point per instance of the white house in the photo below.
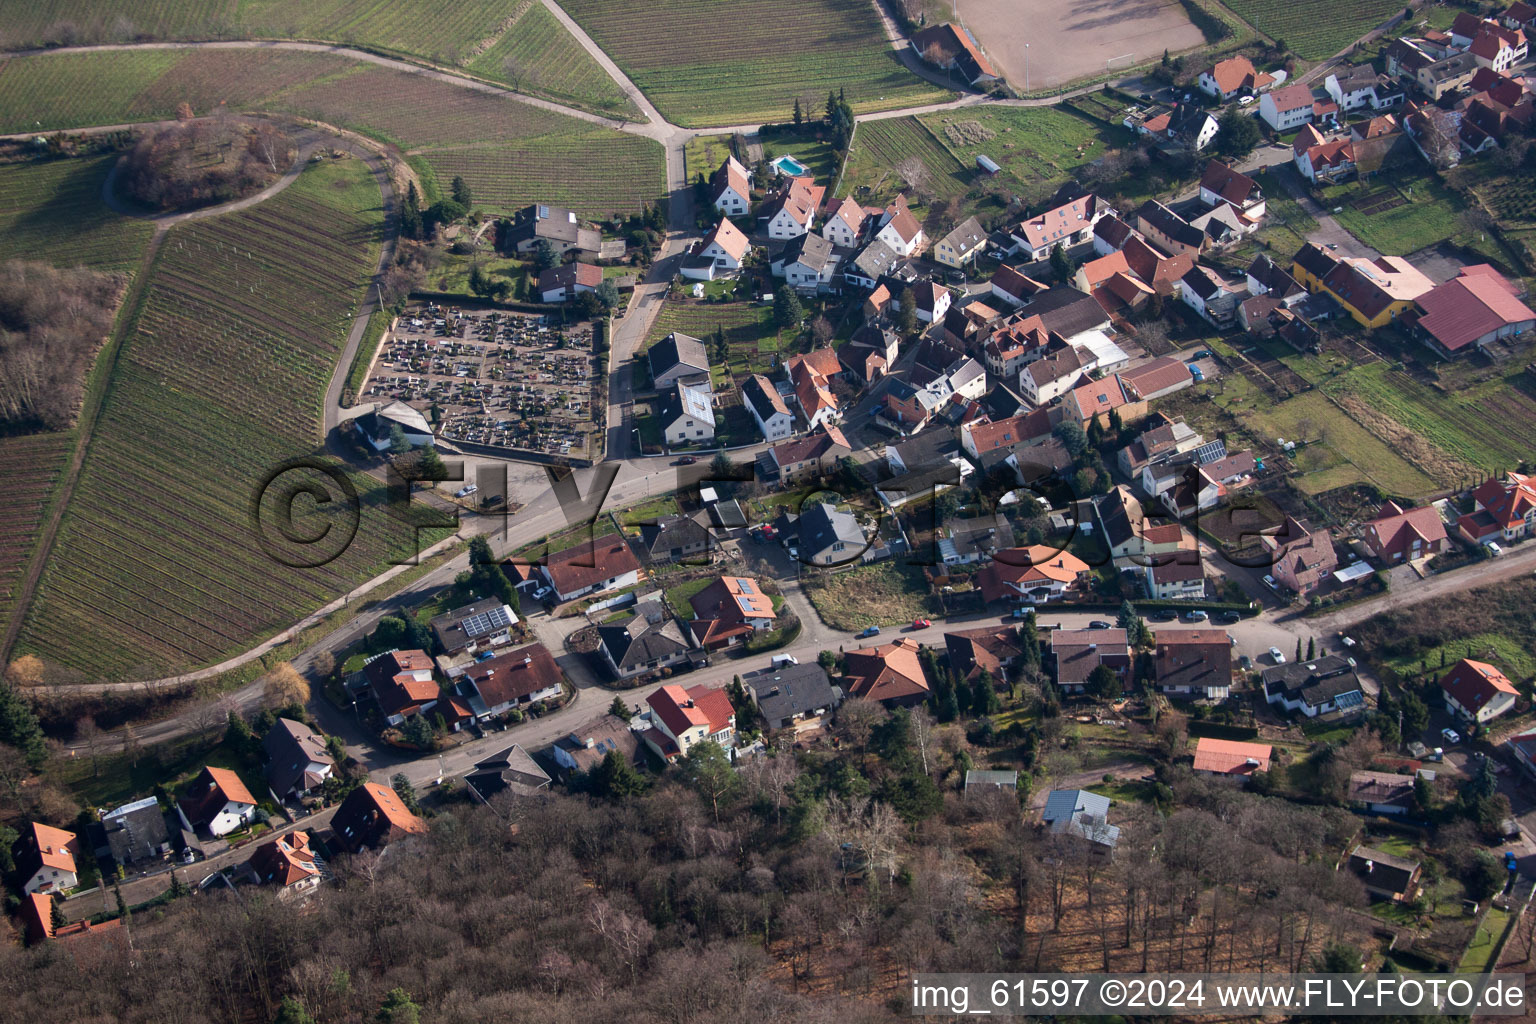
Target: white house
x,y
1065,225
1051,376
376,428
899,229
1315,687
732,188
790,215
601,564
681,719
845,225
216,801
565,282
1175,580
1226,79
1287,108
45,859
687,414
932,301
807,263
1477,690
768,410
725,245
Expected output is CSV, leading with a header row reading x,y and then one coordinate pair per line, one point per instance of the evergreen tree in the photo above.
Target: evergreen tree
x,y
748,718
178,887
1311,647
398,445
56,919
620,710
614,778
1061,264
1298,648
405,791
122,904
949,708
399,1009
291,1011
410,214
799,114
461,193
984,699
1104,682
19,726
787,311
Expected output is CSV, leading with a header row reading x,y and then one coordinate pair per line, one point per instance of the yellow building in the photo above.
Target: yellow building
x,y
1373,292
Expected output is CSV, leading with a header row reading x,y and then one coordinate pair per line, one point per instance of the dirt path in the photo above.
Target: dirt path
x,y
604,61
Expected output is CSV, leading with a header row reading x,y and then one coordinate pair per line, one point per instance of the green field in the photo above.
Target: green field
x,y
1427,214
51,210
545,59
219,382
1474,424
1314,29
749,331
516,153
1038,148
755,59
878,146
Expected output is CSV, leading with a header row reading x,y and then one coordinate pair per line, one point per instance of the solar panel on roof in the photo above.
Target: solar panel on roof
x,y
1210,452
746,586
486,622
746,605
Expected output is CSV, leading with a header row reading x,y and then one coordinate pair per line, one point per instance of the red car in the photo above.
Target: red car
x,y
921,623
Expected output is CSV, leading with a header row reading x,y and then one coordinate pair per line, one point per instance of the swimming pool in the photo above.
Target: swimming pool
x,y
790,166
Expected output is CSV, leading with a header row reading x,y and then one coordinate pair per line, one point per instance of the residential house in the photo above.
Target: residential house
x,y
768,410
984,780
791,214
1386,875
1076,653
729,611
1083,816
1168,230
1096,399
1158,378
872,264
1381,792
1222,184
1403,535
1358,86
1110,235
1052,375
686,413
1205,291
217,802
807,263
44,857
731,192
1446,75
889,673
974,540
1065,224
134,834
676,538
565,282
1317,687
962,245
980,437
297,761
1164,440
1302,558
1157,271
513,771
593,567
1321,159
1191,127
829,536
899,230
1502,510
401,683
555,226
908,405
1519,15
517,678
812,374
287,862
1471,311
1134,539
1266,277
1233,77
1287,108
1016,343
372,816
933,301
586,746
474,627
809,458
377,427
869,354
1194,663
844,225
1477,691
677,357
723,250
1231,758
795,697
1498,48
1034,574
991,649
1177,579
36,920
648,642
1373,292
1013,287
681,718
876,302
950,47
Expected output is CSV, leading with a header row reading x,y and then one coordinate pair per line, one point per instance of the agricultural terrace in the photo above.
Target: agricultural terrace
x,y
220,381
717,62
881,147
29,466
1314,29
544,58
51,210
1038,148
532,153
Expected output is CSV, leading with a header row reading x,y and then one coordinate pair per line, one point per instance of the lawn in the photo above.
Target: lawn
x,y
703,154
513,41
1314,29
758,59
1470,423
883,594
160,563
879,146
1491,623
1038,148
679,596
111,779
452,275
1479,955
807,146
1427,214
650,510
750,333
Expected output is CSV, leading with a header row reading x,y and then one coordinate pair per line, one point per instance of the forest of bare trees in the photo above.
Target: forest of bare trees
x,y
197,163
51,321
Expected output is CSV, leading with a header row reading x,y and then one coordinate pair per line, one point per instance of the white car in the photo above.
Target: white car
x,y
1348,641
464,492
1494,549
1276,656
1450,736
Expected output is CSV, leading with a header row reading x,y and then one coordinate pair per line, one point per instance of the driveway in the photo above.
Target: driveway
x,y
1329,233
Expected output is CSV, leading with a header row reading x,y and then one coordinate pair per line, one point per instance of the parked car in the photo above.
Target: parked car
x,y
1450,736
1276,656
1100,624
466,491
1162,615
686,460
1347,641
1024,612
1244,662
1269,581
1195,615
1228,618
921,623
543,593
871,631
780,660
1494,549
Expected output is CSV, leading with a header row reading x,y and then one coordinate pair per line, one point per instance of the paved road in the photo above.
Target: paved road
x,y
1329,232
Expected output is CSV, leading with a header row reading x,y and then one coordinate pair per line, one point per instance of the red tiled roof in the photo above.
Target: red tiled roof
x,y
1291,97
729,238
285,860
1055,225
1231,757
514,675
591,563
1238,73
1470,306
55,846
681,710
1023,428
210,791
1475,683
1394,526
1014,283
1507,501
1232,185
1159,374
888,672
1013,570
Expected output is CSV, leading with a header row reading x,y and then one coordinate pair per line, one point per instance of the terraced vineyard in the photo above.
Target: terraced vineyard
x,y
879,146
157,565
597,173
1314,29
481,35
51,210
512,153
714,62
29,466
